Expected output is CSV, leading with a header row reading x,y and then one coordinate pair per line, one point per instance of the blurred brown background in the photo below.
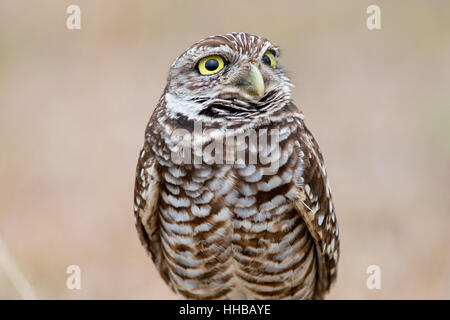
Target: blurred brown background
x,y
74,105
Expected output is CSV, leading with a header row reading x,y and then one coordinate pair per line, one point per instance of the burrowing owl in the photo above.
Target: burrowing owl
x,y
218,225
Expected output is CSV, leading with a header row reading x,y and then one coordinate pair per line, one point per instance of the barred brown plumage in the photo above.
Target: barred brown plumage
x,y
221,229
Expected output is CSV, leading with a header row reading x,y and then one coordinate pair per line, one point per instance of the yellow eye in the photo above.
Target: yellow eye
x,y
210,65
269,59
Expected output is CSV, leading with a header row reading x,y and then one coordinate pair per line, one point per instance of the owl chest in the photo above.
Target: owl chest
x,y
220,225
217,207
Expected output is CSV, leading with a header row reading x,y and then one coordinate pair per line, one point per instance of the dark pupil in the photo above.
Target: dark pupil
x,y
266,59
211,64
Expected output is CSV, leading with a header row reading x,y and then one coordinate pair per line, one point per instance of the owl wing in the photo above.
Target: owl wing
x,y
146,197
314,203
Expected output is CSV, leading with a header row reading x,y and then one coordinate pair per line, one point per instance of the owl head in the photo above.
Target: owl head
x,y
232,76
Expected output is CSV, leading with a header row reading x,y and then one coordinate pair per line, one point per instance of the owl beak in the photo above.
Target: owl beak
x,y
253,83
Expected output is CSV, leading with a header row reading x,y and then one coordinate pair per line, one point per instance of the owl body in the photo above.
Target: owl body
x,y
232,200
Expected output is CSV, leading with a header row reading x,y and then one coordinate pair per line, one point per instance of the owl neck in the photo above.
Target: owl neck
x,y
216,112
173,114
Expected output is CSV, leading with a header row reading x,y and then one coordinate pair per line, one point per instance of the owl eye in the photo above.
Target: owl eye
x,y
210,65
269,59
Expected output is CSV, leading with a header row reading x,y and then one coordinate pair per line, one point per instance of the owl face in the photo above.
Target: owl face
x,y
234,76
